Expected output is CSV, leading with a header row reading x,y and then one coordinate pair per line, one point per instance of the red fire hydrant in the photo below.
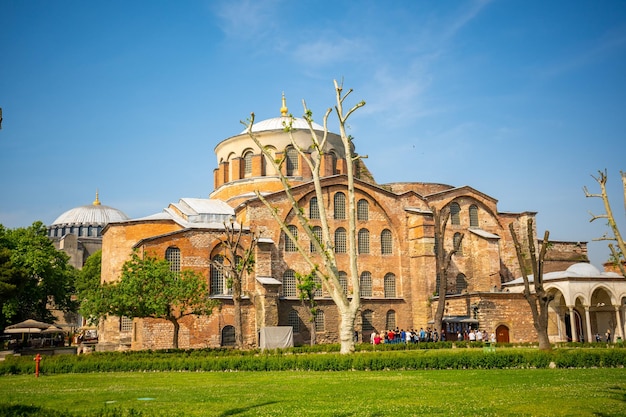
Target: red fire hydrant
x,y
37,360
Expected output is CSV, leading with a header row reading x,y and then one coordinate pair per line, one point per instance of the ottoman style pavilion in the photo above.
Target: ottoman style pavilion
x,y
396,259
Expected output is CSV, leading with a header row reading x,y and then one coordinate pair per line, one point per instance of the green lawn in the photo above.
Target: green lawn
x,y
515,392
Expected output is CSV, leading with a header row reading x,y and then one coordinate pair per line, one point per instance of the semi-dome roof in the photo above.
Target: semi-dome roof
x,y
94,214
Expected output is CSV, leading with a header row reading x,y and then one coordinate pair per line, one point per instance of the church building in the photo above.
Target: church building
x,y
396,259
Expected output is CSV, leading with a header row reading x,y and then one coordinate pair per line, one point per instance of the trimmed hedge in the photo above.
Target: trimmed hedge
x,y
206,360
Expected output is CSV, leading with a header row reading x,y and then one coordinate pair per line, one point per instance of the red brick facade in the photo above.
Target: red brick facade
x,y
402,210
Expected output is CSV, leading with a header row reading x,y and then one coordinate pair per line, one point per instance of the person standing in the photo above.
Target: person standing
x,y
608,335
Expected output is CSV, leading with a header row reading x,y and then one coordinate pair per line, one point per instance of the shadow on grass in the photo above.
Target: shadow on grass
x,y
19,410
239,410
619,394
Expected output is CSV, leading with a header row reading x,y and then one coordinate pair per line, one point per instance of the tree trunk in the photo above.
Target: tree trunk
x,y
176,325
346,331
237,313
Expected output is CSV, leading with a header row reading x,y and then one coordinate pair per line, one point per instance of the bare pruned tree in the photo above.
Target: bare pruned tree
x,y
327,270
537,297
236,261
443,259
618,254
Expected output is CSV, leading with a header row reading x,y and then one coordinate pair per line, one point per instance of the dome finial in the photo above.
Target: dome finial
x,y
283,109
96,202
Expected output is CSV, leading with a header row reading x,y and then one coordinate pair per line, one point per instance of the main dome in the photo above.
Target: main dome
x,y
279,123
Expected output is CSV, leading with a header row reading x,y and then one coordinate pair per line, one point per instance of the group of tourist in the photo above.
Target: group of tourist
x,y
428,335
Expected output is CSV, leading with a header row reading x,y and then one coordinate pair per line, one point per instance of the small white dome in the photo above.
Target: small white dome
x,y
584,269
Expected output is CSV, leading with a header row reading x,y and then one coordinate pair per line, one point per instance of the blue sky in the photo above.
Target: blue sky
x,y
522,100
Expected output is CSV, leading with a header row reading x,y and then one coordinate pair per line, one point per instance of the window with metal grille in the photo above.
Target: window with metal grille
x,y
293,320
473,214
319,321
172,255
455,210
318,290
362,210
364,241
217,277
461,283
228,336
340,241
390,320
317,233
333,157
292,161
367,320
126,324
290,245
366,284
390,285
386,242
289,283
340,206
456,240
314,209
343,281
247,163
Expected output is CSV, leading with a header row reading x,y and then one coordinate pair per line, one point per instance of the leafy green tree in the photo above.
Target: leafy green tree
x,y
149,289
307,286
37,276
88,287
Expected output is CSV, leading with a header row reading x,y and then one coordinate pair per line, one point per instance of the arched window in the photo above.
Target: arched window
x,y
367,319
292,161
366,284
390,285
247,163
456,240
228,335
390,320
333,158
172,255
386,242
364,241
289,283
340,206
290,245
341,245
317,233
319,321
319,292
314,209
461,283
473,214
217,277
362,210
343,281
455,210
293,320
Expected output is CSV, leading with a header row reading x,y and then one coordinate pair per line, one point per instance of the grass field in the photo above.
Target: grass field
x,y
513,392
